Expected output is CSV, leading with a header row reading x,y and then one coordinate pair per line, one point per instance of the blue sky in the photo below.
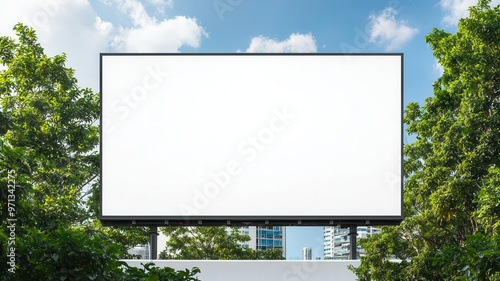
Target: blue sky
x,y
84,28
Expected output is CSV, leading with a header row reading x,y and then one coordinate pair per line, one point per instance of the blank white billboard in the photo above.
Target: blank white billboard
x,y
251,137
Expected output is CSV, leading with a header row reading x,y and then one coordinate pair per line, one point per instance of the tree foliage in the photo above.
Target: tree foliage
x,y
49,168
150,272
211,243
451,229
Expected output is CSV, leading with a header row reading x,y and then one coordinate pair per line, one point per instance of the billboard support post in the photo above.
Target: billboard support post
x,y
153,242
352,238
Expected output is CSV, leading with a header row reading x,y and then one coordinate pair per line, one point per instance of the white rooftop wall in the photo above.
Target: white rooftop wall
x,y
264,270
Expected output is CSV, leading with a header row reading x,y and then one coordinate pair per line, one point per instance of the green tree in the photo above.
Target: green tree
x,y
49,167
211,243
150,272
452,169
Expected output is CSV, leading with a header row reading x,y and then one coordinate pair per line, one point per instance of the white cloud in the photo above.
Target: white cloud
x,y
457,9
296,43
74,27
166,36
163,3
106,2
137,12
149,34
103,27
438,68
386,30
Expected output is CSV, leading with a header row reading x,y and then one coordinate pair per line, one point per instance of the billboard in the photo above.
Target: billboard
x,y
240,139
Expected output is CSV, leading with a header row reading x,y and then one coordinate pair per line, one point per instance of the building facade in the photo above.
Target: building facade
x,y
307,253
337,241
266,237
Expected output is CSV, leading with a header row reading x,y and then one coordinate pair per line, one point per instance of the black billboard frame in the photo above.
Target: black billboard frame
x,y
342,221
